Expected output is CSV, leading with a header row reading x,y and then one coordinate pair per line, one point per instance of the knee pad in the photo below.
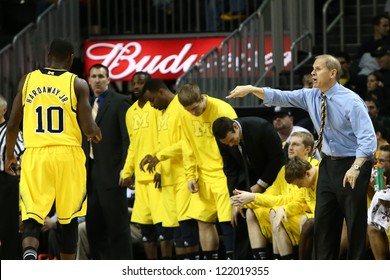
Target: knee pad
x,y
69,236
149,233
228,235
164,233
31,229
177,237
189,232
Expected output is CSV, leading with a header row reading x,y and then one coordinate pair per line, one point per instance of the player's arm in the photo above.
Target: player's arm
x,y
13,129
84,114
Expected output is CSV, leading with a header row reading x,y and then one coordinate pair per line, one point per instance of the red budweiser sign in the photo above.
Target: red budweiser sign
x,y
165,59
162,58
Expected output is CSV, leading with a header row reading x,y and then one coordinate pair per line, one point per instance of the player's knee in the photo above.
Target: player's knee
x,y
164,233
31,228
149,233
69,236
189,232
177,237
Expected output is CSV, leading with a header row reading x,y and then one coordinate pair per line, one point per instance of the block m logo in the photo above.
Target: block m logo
x,y
141,121
163,123
202,129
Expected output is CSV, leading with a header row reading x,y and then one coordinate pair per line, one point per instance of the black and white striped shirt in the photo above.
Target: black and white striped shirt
x,y
19,147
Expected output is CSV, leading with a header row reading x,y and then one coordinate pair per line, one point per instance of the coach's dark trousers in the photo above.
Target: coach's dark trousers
x,y
334,202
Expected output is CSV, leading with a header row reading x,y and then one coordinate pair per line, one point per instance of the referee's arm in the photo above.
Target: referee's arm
x,y
13,129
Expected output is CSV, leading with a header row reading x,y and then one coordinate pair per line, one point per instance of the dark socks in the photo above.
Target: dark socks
x,y
259,253
193,256
229,255
287,257
210,255
30,253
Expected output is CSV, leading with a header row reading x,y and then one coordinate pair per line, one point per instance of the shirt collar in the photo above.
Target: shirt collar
x,y
239,125
332,91
101,97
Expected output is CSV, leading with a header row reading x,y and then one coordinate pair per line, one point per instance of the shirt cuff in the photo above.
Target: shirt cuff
x,y
262,183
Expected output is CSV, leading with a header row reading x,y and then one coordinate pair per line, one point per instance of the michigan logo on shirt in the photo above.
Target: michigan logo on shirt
x,y
141,120
202,129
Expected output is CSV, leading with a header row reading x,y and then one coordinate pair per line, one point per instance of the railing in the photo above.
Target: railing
x,y
29,47
107,17
6,69
338,21
22,50
235,61
327,28
295,65
241,58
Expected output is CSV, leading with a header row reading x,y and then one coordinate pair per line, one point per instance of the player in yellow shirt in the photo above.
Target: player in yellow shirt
x,y
54,106
203,166
141,122
175,194
301,173
281,199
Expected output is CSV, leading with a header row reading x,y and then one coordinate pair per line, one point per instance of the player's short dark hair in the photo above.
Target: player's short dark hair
x,y
296,168
154,85
146,74
61,49
189,94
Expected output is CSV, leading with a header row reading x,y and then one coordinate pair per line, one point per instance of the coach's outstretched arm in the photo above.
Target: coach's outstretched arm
x,y
241,91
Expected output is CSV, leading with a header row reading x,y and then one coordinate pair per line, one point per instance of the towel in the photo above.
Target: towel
x,y
378,215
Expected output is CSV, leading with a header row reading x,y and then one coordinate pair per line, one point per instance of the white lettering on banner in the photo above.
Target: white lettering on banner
x,y
244,62
125,58
131,51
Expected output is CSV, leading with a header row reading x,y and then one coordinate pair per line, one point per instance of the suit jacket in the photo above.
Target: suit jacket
x,y
262,148
110,153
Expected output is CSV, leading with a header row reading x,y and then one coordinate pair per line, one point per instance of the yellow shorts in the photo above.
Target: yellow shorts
x,y
49,174
148,207
176,200
292,227
212,201
262,215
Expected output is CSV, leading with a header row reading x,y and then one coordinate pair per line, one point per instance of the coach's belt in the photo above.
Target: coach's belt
x,y
334,157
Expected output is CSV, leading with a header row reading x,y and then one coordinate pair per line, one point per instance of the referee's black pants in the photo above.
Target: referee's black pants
x,y
334,203
9,222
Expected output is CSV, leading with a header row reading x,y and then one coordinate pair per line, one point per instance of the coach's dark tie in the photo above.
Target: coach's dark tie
x,y
318,144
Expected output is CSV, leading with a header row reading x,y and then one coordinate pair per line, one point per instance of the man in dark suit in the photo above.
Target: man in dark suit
x,y
252,154
107,219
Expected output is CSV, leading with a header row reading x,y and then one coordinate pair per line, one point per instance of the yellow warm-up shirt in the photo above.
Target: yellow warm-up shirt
x,y
310,198
200,150
142,128
49,109
170,144
294,200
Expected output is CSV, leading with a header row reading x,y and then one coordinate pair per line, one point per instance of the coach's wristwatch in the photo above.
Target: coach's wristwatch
x,y
356,166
